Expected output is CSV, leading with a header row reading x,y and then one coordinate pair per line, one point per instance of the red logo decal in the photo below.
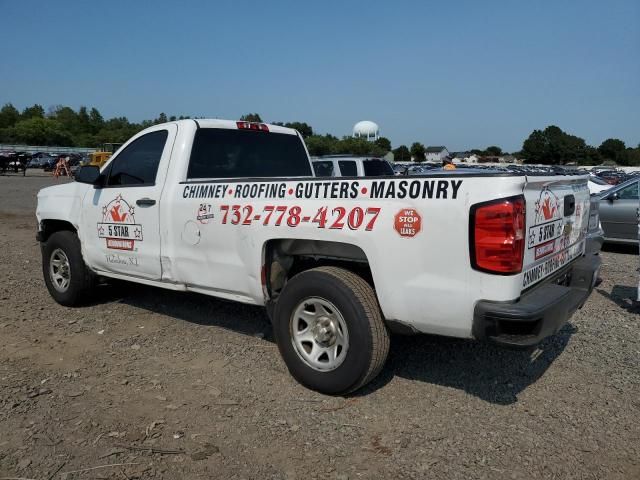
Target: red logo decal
x,y
116,215
547,210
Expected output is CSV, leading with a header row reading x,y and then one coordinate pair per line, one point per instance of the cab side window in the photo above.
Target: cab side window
x,y
629,193
138,163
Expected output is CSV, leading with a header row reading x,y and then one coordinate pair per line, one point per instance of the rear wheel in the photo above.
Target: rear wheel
x,y
330,330
68,279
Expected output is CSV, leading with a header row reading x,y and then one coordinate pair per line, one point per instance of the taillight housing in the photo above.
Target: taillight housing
x,y
261,127
497,233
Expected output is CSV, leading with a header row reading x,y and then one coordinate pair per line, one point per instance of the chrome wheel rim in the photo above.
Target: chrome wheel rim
x,y
59,270
319,334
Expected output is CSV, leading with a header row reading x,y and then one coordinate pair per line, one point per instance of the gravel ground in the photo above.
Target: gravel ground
x,y
172,385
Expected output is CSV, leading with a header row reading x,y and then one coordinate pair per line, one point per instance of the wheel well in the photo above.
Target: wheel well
x,y
284,258
49,227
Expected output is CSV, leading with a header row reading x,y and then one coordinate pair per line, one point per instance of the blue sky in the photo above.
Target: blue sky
x,y
463,74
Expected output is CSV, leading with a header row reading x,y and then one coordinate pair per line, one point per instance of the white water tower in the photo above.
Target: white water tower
x,y
366,129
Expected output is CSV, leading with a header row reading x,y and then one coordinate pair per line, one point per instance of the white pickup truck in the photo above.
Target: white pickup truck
x,y
231,209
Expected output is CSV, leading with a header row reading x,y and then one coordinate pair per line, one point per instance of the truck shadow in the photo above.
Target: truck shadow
x,y
496,375
191,307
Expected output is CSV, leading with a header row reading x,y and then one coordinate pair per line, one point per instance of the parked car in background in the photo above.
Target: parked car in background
x,y
15,162
613,177
50,164
39,160
619,213
421,169
349,166
400,169
597,184
75,161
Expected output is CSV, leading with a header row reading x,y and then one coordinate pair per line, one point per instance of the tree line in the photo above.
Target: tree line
x,y
554,146
65,127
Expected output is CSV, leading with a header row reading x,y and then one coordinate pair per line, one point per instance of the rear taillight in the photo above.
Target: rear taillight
x,y
252,126
497,235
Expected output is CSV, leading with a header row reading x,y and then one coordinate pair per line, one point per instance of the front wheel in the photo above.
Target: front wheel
x,y
330,331
68,279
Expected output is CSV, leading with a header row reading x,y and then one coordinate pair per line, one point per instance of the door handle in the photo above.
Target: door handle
x,y
145,202
569,205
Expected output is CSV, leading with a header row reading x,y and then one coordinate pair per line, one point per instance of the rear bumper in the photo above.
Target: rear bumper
x,y
540,312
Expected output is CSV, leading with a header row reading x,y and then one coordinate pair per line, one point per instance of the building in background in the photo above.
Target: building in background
x,y
436,154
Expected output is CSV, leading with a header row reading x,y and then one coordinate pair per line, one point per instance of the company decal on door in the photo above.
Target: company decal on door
x,y
118,226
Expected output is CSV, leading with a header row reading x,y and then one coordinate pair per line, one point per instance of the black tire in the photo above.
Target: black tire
x,y
81,279
368,338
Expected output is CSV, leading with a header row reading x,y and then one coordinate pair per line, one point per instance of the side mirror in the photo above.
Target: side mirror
x,y
613,197
89,174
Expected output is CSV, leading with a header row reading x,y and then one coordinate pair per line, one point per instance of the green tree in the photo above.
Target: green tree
x,y
417,152
493,151
251,117
84,122
614,149
68,119
305,129
321,144
162,118
9,115
591,156
633,156
96,122
401,154
358,146
41,131
552,146
36,111
383,143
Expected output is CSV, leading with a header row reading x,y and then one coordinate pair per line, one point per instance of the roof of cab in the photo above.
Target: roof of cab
x,y
233,124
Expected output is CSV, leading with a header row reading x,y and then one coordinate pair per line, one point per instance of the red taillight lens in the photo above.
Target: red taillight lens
x,y
498,236
252,126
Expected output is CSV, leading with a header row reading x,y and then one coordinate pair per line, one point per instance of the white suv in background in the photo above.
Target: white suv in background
x,y
350,166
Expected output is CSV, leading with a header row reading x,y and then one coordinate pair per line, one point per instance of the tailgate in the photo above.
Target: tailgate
x,y
557,222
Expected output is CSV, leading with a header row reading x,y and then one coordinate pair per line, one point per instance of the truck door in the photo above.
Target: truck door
x,y
120,222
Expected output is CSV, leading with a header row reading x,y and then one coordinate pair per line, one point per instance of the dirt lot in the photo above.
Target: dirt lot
x,y
183,386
